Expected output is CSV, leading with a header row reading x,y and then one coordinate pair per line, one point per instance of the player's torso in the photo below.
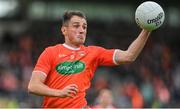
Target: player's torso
x,y
71,67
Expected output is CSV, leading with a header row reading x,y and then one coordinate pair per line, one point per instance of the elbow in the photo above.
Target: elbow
x,y
130,58
30,88
126,60
124,57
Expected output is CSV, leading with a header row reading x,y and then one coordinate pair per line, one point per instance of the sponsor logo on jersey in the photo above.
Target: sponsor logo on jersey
x,y
67,68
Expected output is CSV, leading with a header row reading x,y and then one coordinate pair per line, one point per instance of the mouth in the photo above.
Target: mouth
x,y
81,37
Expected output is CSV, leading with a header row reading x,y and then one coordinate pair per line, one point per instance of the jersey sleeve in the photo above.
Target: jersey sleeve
x,y
44,62
106,57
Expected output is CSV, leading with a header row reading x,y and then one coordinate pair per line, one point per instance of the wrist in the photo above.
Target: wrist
x,y
58,93
54,92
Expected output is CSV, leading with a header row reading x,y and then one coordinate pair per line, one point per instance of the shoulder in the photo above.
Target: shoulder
x,y
53,48
96,48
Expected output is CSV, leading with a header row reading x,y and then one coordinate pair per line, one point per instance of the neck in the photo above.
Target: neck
x,y
72,47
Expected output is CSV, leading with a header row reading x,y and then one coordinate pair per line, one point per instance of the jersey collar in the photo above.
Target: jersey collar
x,y
69,47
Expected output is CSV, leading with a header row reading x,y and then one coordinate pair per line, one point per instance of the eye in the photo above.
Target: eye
x,y
76,26
84,27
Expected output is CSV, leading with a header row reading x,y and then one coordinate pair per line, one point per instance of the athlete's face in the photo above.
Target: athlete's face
x,y
75,31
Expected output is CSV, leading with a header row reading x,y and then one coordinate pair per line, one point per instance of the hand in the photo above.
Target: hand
x,y
69,91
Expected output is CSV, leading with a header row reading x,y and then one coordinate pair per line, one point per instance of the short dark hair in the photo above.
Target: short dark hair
x,y
69,14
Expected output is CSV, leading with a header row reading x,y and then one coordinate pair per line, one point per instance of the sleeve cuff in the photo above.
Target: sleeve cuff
x,y
114,57
38,71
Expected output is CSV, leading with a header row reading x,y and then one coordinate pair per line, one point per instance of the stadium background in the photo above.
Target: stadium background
x,y
28,26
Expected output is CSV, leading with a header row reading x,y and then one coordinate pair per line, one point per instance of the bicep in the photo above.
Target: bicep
x,y
37,77
122,57
37,80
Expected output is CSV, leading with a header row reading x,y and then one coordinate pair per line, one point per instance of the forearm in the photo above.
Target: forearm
x,y
43,90
137,45
37,86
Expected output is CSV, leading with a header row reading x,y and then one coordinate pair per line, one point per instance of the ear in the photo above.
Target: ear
x,y
63,30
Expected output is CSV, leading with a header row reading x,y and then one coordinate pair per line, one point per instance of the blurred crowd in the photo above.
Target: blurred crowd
x,y
153,80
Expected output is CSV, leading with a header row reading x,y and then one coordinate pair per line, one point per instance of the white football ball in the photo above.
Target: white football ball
x,y
149,15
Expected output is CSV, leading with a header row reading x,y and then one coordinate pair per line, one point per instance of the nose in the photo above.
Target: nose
x,y
81,30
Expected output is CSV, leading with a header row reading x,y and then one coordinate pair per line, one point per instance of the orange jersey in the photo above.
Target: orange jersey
x,y
64,66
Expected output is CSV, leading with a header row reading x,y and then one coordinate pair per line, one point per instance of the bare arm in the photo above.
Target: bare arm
x,y
133,50
37,86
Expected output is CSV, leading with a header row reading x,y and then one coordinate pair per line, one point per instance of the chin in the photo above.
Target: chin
x,y
81,42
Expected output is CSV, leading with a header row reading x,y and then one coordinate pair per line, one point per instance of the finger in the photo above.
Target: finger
x,y
73,92
73,85
74,89
70,95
